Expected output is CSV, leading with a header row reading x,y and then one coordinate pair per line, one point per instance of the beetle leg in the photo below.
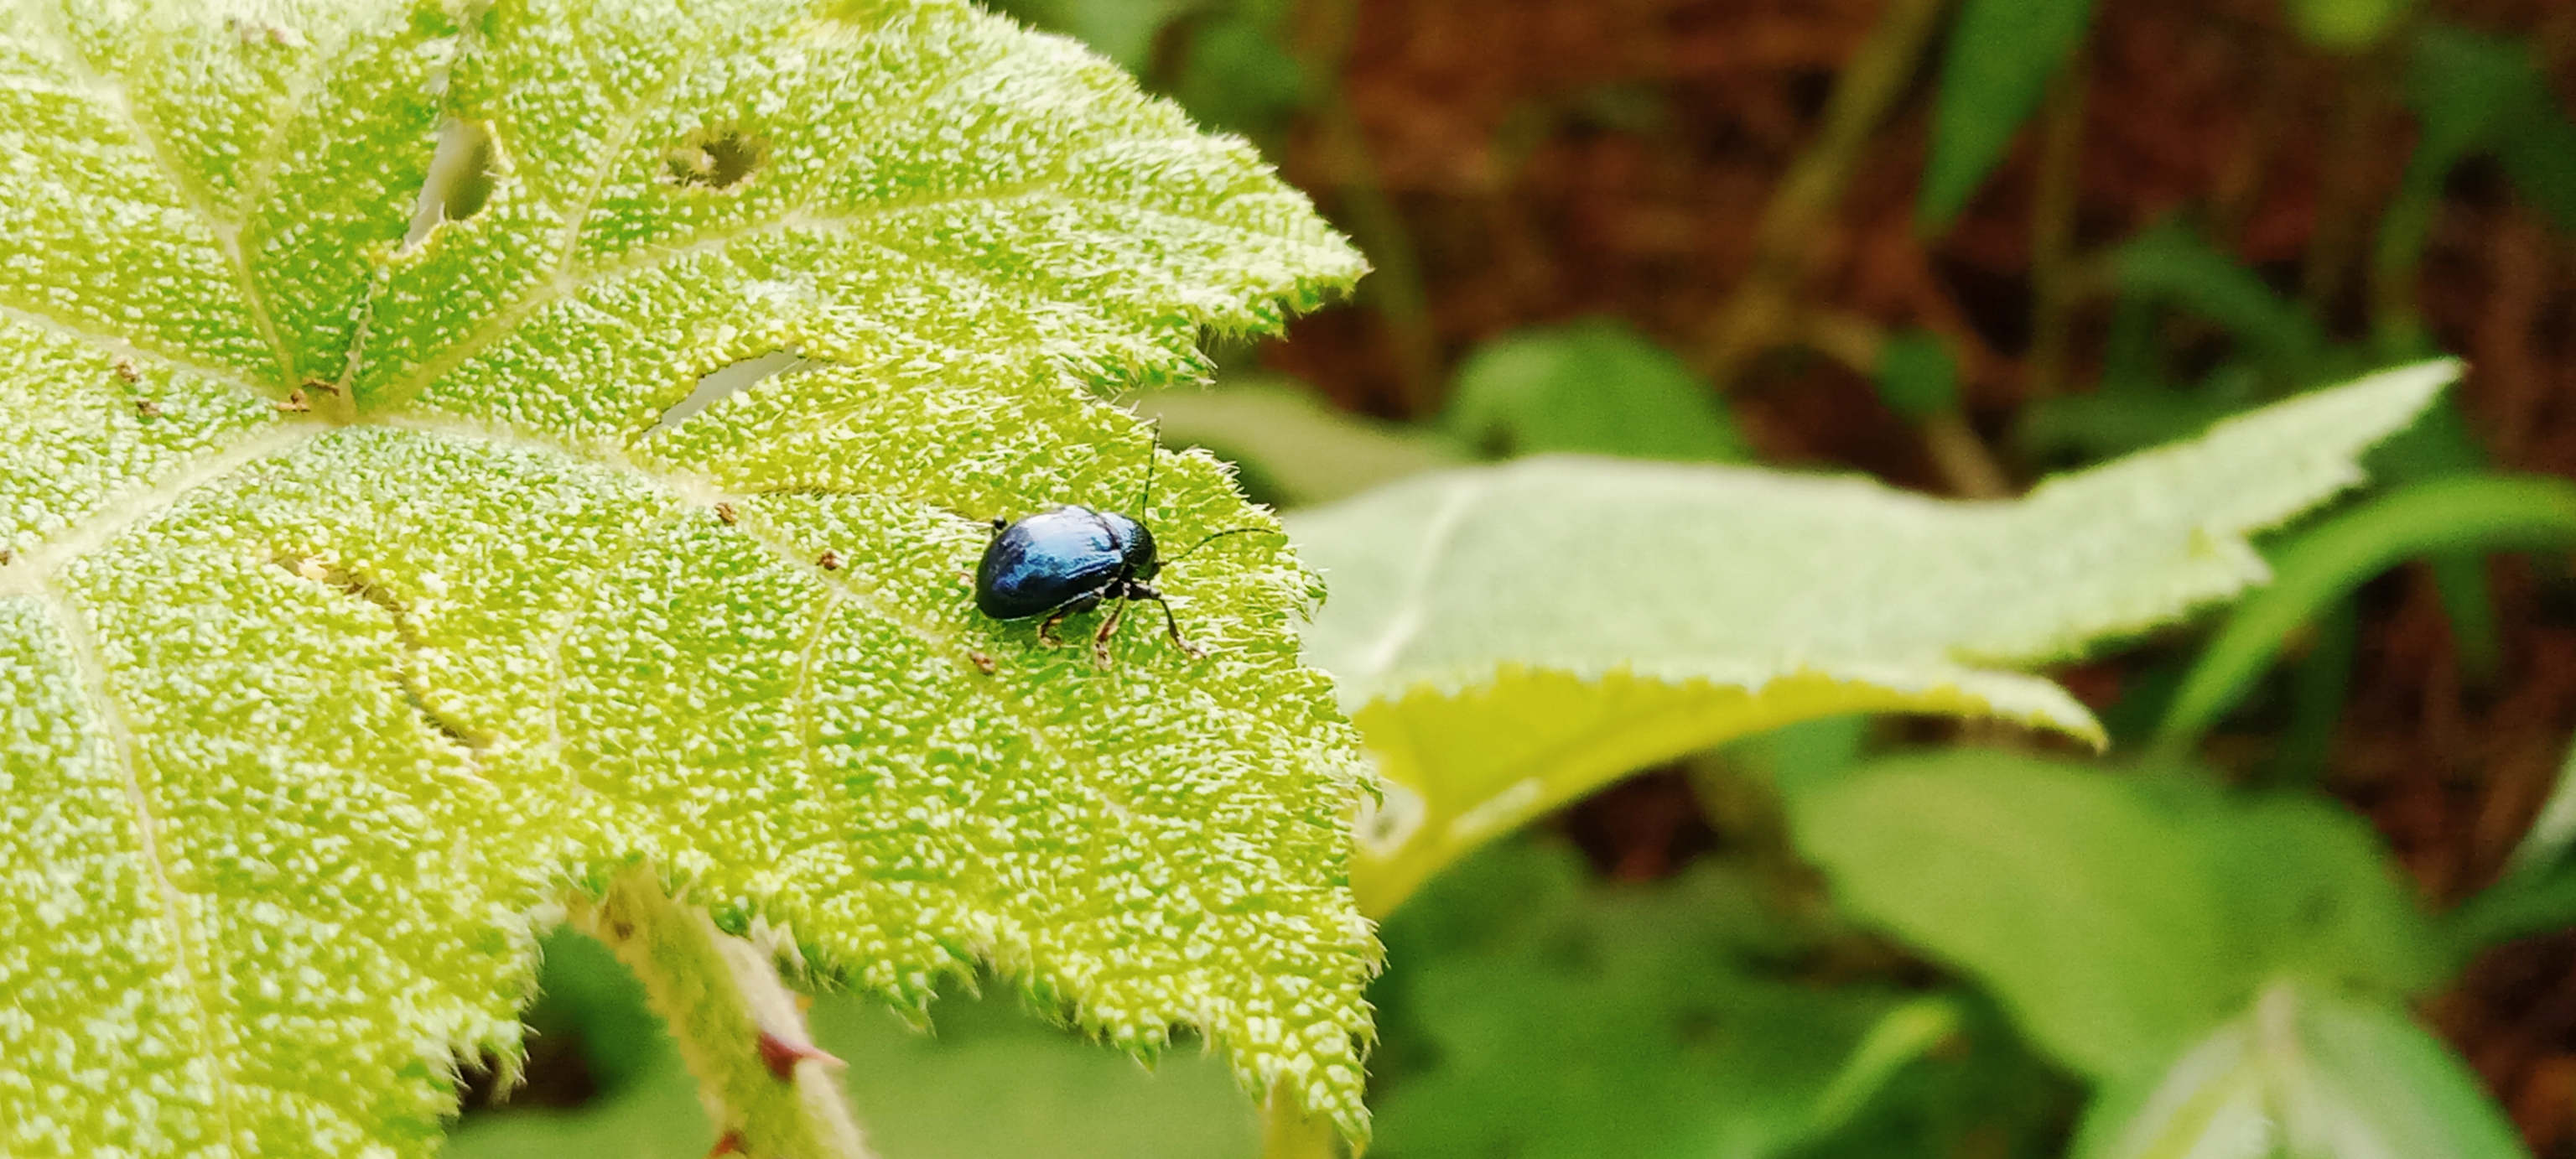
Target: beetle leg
x,y
1170,623
1046,630
1108,625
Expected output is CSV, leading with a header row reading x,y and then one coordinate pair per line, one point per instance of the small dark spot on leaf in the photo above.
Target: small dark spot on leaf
x,y
727,515
715,158
830,560
125,371
7,556
983,663
625,931
730,1144
146,408
262,32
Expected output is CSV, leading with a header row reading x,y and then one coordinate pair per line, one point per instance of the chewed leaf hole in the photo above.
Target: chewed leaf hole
x,y
716,158
460,178
724,382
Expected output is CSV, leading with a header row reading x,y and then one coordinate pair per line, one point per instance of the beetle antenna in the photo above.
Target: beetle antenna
x,y
1146,505
1219,535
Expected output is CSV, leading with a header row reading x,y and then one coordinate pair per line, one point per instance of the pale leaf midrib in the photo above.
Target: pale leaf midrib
x,y
32,570
186,943
1374,661
566,285
577,223
37,320
147,137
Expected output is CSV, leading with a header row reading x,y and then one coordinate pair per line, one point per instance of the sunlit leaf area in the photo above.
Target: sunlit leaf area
x,y
1288,579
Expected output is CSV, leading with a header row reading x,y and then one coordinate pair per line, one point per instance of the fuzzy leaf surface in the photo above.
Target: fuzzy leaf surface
x,y
1510,638
358,598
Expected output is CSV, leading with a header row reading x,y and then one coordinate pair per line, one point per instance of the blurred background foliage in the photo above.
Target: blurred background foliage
x,y
1956,246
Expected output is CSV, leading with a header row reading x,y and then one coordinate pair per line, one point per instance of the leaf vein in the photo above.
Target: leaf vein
x,y
186,942
147,137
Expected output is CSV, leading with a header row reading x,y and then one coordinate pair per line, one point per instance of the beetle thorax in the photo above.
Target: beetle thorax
x,y
1135,545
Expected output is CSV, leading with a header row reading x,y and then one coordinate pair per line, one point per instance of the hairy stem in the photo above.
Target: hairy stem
x,y
2335,243
1966,464
1764,303
1288,1132
2052,228
769,1090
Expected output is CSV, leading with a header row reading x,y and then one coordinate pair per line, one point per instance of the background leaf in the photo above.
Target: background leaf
x,y
1550,1016
1649,610
1596,387
2001,54
2327,562
1287,446
2117,919
2306,1071
363,604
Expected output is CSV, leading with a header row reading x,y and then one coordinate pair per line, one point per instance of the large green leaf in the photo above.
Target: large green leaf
x,y
308,710
2305,1071
1509,638
2117,918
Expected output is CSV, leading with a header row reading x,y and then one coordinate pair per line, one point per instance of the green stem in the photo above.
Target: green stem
x,y
770,1092
2052,227
1811,192
1288,1132
2337,238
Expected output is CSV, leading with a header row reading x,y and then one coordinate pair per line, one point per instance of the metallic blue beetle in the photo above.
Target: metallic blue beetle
x,y
1064,561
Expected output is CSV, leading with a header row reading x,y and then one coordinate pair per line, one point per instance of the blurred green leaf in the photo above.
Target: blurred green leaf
x,y
2553,832
1567,1019
2001,54
2117,918
2539,900
1796,756
2116,420
2171,263
2346,25
1915,375
1291,448
1594,386
2538,891
1239,77
1510,638
2327,562
1122,30
2305,1071
994,1082
2475,93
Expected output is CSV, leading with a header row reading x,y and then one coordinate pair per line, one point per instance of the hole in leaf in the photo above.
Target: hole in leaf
x,y
715,158
724,382
459,181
